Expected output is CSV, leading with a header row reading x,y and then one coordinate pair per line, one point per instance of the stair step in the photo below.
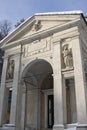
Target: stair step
x,y
72,128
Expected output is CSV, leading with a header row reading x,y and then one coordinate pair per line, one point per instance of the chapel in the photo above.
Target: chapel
x,y
44,76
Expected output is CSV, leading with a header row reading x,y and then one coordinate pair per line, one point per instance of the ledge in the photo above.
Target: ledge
x,y
67,69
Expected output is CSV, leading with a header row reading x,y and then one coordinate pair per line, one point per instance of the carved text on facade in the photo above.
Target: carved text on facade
x,y
32,49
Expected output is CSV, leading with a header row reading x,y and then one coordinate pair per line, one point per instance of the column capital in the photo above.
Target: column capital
x,y
17,54
57,41
5,57
76,37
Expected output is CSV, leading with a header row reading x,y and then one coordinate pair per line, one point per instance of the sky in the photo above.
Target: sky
x,y
14,10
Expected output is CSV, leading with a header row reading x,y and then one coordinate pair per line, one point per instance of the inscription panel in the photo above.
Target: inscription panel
x,y
36,47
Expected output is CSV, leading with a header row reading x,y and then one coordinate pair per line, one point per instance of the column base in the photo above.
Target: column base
x,y
82,127
77,126
58,127
8,127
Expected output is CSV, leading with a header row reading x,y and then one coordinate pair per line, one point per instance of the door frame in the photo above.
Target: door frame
x,y
46,93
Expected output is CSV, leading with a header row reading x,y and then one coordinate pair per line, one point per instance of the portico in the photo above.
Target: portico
x,y
44,70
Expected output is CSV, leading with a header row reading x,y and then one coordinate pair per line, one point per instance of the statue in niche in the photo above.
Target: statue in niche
x,y
10,69
67,56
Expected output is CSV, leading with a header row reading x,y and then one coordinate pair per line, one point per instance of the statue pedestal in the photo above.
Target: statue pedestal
x,y
67,69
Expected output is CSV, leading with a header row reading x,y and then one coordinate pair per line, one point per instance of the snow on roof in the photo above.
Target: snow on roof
x,y
48,13
65,12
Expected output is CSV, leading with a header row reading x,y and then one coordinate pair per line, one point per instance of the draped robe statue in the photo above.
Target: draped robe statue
x,y
10,69
67,56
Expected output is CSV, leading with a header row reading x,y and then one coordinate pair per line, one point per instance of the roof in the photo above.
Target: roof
x,y
21,26
61,13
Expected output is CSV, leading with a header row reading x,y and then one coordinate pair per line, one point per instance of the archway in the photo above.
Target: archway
x,y
39,107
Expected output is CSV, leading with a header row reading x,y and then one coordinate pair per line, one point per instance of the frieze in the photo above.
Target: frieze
x,y
38,46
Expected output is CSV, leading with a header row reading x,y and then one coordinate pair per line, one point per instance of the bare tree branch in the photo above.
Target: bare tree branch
x,y
5,27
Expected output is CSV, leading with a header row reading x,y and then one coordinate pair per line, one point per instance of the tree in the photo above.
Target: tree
x,y
18,23
1,37
5,27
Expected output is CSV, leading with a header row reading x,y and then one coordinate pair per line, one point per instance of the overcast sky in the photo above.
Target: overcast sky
x,y
14,10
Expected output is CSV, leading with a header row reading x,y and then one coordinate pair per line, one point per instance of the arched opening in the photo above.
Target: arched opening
x,y
39,107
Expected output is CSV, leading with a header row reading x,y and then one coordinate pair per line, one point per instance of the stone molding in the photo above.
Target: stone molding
x,y
36,48
42,34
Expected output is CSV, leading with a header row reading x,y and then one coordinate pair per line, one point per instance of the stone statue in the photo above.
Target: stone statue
x,y
10,69
67,56
37,25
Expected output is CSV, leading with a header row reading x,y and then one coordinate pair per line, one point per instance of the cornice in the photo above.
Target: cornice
x,y
42,34
43,16
16,31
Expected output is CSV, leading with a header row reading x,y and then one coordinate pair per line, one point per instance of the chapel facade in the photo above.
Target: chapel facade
x,y
44,76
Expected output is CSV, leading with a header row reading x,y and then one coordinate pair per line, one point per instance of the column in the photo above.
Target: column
x,y
23,111
80,84
58,90
3,93
15,105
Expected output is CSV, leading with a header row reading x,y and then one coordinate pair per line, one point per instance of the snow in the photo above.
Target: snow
x,y
65,12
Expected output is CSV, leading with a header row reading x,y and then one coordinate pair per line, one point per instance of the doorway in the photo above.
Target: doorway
x,y
50,108
47,103
38,80
68,104
9,106
47,110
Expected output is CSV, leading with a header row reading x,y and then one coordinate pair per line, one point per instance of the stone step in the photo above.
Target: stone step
x,y
72,128
8,127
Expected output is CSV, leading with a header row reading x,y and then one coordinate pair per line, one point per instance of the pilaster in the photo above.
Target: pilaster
x,y
15,105
23,111
80,83
58,87
3,93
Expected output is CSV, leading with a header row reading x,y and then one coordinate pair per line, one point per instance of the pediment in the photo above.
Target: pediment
x,y
37,24
43,26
